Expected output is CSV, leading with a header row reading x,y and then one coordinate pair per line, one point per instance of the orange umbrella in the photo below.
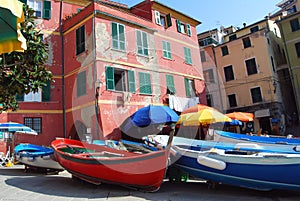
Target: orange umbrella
x,y
197,108
241,116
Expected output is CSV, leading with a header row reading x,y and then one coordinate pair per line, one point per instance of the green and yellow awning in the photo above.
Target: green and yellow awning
x,y
11,15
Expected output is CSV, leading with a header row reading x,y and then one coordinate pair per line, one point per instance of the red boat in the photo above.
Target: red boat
x,y
100,163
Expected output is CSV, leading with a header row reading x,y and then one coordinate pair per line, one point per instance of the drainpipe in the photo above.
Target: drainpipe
x,y
63,68
218,80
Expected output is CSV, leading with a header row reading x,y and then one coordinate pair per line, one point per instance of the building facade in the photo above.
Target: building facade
x,y
109,60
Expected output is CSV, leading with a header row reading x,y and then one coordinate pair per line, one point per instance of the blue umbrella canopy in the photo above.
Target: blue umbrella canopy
x,y
16,128
154,114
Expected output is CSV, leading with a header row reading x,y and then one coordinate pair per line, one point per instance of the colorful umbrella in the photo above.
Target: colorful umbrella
x,y
241,116
13,127
203,116
197,108
11,15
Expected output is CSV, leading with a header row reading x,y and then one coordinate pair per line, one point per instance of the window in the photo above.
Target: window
x,y
142,43
232,37
42,8
183,28
170,84
120,79
246,42
209,100
81,83
297,46
166,50
187,55
256,95
224,50
163,20
202,56
254,29
294,24
209,76
43,94
80,40
251,66
34,122
228,72
189,87
118,36
145,83
232,100
33,97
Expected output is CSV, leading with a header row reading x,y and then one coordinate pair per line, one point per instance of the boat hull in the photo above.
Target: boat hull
x,y
142,171
262,171
37,156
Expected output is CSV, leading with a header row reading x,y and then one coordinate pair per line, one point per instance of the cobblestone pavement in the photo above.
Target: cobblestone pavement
x,y
16,185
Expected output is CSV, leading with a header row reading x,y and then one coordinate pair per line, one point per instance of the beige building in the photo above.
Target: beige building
x,y
246,64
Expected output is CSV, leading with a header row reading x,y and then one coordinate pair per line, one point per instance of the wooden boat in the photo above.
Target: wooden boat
x,y
35,156
256,170
96,163
161,141
223,136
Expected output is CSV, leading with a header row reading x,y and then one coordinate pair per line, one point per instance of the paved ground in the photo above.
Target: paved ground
x,y
16,185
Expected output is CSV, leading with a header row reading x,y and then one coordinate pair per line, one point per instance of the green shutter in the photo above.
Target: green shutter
x,y
110,80
189,31
114,30
131,81
178,26
169,20
139,42
165,54
170,83
20,97
157,17
187,87
145,83
47,10
122,36
46,92
145,43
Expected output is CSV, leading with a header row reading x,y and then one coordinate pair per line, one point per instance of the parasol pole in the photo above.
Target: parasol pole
x,y
170,138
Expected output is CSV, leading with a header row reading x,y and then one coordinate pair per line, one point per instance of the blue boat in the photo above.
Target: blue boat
x,y
161,140
36,156
224,136
246,165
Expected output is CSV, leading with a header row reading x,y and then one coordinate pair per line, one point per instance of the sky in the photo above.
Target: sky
x,y
216,13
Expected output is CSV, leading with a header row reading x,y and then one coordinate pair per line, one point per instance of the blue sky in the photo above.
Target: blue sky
x,y
214,14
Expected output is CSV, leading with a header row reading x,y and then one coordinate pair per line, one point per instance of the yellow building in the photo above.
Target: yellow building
x,y
290,30
247,63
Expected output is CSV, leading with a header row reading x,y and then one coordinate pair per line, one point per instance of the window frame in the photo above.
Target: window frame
x,y
187,55
224,50
208,75
294,24
231,76
119,38
145,83
230,99
30,122
142,43
81,84
167,53
297,49
170,84
250,67
190,89
247,42
80,40
202,56
127,78
253,96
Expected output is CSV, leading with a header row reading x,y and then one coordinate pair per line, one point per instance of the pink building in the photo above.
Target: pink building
x,y
113,61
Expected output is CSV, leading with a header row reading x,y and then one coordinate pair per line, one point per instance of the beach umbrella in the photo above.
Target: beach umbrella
x,y
13,127
11,15
196,108
234,122
203,116
153,114
241,116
